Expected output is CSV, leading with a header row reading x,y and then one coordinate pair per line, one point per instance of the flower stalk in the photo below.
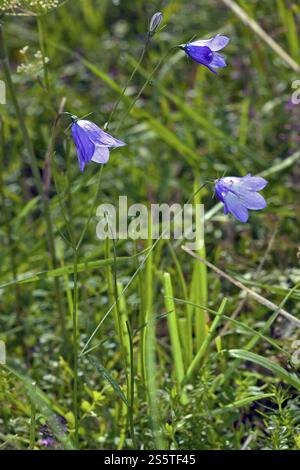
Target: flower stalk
x,y
75,346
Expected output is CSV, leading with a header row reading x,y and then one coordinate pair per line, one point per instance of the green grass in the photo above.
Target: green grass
x,y
136,343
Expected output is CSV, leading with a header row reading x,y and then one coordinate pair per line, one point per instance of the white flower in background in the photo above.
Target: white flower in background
x,y
30,7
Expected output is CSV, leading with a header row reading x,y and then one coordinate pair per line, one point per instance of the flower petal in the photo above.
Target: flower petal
x,y
225,208
250,199
215,44
220,190
218,42
98,136
254,183
236,208
101,154
85,147
201,54
218,61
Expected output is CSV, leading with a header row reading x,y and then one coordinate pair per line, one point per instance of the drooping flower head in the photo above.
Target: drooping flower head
x,y
92,143
205,52
239,194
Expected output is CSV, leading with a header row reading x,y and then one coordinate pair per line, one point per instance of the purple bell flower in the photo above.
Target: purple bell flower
x,y
239,194
92,143
205,52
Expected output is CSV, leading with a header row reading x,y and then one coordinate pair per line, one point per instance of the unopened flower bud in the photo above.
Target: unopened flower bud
x,y
155,22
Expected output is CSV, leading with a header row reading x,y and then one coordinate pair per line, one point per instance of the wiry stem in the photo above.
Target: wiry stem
x,y
75,347
43,51
129,80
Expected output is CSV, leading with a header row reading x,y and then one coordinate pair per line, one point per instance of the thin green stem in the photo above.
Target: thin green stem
x,y
149,353
91,211
150,76
75,346
131,400
188,338
141,320
40,23
69,181
75,311
110,288
32,425
68,222
172,320
129,81
120,323
199,281
203,348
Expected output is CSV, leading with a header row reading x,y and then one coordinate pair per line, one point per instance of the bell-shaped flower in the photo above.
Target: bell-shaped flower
x,y
92,143
239,194
205,52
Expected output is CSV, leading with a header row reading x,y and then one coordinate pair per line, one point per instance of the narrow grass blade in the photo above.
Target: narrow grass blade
x,y
173,329
81,267
277,370
240,403
105,374
196,361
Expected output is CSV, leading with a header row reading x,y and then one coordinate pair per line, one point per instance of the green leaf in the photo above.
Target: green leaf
x,y
277,370
81,267
105,374
242,402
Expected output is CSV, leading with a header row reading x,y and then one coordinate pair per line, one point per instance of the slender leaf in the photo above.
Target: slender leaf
x,y
277,370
